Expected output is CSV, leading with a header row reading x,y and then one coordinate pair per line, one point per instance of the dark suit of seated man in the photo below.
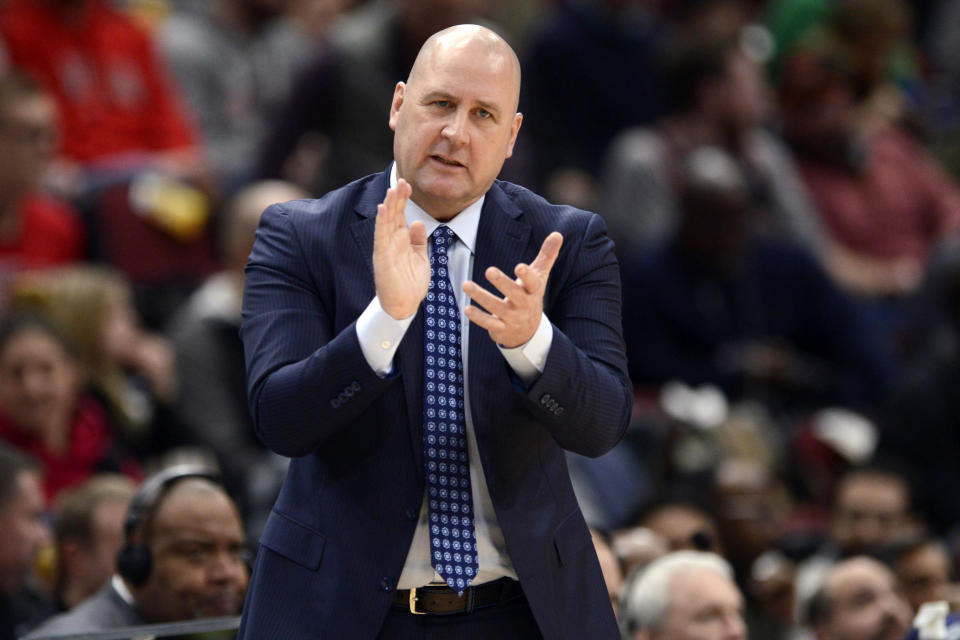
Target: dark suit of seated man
x,y
428,415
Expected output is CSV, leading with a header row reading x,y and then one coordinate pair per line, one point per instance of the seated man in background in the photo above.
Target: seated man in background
x,y
859,600
22,532
684,595
88,527
183,559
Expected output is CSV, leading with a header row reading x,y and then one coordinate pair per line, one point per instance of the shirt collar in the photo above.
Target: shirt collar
x,y
464,224
121,588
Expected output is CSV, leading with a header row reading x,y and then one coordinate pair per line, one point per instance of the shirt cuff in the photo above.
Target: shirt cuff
x,y
528,360
379,335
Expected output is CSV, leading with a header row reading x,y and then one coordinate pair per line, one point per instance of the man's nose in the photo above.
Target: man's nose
x,y
455,129
225,567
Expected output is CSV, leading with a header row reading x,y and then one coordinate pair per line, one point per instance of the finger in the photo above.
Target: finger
x,y
404,189
418,237
484,319
485,299
528,278
392,202
549,251
510,288
401,195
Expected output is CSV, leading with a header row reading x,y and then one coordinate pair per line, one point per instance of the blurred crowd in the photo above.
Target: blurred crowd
x,y
781,181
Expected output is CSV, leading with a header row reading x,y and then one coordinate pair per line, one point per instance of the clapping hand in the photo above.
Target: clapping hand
x,y
513,319
401,268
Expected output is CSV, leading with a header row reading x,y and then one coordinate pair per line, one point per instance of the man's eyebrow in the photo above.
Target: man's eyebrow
x,y
436,94
443,95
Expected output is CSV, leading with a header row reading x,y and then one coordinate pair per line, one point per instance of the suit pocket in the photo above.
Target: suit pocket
x,y
570,537
293,540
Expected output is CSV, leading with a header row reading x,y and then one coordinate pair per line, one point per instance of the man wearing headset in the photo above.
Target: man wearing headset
x,y
184,558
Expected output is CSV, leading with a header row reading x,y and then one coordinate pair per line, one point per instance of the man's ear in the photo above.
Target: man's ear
x,y
395,105
514,130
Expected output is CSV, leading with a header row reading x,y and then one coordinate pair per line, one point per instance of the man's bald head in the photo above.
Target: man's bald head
x,y
455,119
468,39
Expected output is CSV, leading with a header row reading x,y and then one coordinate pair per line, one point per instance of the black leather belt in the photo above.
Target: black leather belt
x,y
441,600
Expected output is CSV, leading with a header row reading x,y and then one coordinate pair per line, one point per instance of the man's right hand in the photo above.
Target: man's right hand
x,y
401,268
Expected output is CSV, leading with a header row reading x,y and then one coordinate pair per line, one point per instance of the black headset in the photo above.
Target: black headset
x,y
134,561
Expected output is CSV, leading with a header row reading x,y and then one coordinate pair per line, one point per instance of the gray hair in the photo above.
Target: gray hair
x,y
646,596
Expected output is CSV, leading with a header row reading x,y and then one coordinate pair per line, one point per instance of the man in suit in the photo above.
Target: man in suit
x,y
407,416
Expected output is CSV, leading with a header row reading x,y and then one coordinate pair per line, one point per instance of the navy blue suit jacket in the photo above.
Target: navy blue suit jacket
x,y
336,540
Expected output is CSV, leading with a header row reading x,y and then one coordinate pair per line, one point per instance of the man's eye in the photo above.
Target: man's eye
x,y
443,104
483,113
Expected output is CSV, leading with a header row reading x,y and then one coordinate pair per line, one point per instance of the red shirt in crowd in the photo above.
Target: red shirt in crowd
x,y
50,234
897,206
90,450
101,67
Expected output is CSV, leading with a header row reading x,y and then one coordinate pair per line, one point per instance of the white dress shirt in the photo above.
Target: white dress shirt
x,y
380,334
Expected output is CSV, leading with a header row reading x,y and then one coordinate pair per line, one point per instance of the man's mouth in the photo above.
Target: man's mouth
x,y
446,161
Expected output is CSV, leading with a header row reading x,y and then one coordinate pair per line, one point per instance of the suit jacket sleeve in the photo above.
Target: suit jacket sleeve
x,y
306,378
584,395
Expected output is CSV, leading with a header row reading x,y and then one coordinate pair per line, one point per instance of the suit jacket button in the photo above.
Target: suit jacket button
x,y
335,403
386,584
411,513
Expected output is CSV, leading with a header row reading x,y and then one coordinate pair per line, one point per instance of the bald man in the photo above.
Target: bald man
x,y
426,343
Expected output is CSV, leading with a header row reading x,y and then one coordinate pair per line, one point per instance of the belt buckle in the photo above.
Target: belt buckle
x,y
413,603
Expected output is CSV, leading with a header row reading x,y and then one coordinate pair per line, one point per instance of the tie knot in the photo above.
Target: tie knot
x,y
442,239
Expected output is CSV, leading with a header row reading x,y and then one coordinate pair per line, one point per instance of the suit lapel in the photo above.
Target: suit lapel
x,y
408,359
502,241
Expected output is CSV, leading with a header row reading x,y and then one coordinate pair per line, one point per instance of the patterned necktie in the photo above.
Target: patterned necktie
x,y
452,541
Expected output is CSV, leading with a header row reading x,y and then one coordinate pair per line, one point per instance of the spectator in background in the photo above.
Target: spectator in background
x,y
88,527
924,569
873,36
193,542
859,600
23,531
43,411
128,368
718,98
884,201
682,526
36,230
323,138
598,45
236,61
685,595
756,317
212,402
117,109
871,514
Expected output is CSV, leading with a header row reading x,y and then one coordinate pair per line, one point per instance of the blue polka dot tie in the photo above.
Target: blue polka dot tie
x,y
452,542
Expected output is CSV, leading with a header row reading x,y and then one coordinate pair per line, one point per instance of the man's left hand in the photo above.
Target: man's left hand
x,y
513,319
